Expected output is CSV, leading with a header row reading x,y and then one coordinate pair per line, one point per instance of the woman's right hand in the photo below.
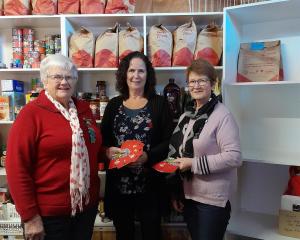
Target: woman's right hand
x,y
34,228
111,151
178,205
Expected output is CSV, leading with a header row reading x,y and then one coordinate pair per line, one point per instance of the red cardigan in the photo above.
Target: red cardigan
x,y
39,156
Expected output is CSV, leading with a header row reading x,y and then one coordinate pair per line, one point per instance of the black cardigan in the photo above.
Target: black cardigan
x,y
159,144
161,132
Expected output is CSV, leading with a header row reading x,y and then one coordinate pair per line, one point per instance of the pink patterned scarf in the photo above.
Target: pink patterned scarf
x,y
80,168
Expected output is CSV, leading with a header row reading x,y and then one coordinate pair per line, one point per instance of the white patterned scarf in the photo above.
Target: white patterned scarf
x,y
80,168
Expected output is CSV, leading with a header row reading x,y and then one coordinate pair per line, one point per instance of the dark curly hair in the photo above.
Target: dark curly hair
x,y
121,76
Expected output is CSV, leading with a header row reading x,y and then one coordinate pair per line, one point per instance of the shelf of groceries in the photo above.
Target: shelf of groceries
x,y
96,69
63,29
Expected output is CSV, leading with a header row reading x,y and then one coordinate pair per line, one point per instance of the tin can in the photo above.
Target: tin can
x,y
57,44
17,31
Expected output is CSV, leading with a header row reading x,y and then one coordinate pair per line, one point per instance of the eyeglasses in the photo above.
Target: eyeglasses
x,y
200,82
59,77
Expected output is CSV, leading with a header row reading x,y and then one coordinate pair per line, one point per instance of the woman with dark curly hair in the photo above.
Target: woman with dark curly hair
x,y
138,113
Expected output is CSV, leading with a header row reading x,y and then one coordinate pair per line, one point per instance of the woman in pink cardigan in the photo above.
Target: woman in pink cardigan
x,y
206,147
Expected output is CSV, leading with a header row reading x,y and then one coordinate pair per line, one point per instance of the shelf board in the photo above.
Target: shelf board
x,y
33,21
264,11
6,122
2,171
271,156
20,70
262,83
255,225
96,69
179,68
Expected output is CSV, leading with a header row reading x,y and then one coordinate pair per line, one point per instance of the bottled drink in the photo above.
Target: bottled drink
x,y
185,99
172,94
103,99
94,105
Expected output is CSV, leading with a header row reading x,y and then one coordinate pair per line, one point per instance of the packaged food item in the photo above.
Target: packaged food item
x,y
16,7
16,102
95,107
120,6
81,48
130,40
172,95
260,62
184,44
160,46
11,85
101,91
4,108
44,6
2,155
68,6
92,6
210,44
106,54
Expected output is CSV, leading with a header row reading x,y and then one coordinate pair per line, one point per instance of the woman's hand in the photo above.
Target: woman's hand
x,y
112,151
34,229
184,164
140,161
178,205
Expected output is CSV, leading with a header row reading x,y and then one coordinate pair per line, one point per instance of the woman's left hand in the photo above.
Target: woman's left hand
x,y
184,164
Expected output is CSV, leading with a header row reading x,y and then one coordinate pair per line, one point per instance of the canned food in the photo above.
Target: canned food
x,y
17,31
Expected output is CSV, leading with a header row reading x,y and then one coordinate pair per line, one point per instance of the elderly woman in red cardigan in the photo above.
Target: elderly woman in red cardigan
x,y
52,157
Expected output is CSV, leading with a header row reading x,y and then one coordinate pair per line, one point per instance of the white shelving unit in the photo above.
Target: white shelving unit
x,y
98,23
268,115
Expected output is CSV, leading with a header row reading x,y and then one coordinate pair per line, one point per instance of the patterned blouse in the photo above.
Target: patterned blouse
x,y
128,125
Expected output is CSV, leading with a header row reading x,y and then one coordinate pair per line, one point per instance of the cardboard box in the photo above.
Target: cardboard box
x,y
12,86
16,102
4,108
289,223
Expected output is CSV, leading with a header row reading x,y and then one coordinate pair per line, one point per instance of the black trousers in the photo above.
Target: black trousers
x,y
79,227
206,222
147,209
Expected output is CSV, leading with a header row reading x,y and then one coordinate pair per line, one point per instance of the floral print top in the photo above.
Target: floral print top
x,y
132,127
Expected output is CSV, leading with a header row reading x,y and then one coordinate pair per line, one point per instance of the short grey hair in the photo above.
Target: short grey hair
x,y
57,60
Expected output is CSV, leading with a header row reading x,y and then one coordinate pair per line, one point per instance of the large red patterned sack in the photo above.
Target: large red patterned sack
x,y
92,6
120,6
160,46
68,6
210,44
81,48
16,7
106,54
44,6
130,40
184,44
